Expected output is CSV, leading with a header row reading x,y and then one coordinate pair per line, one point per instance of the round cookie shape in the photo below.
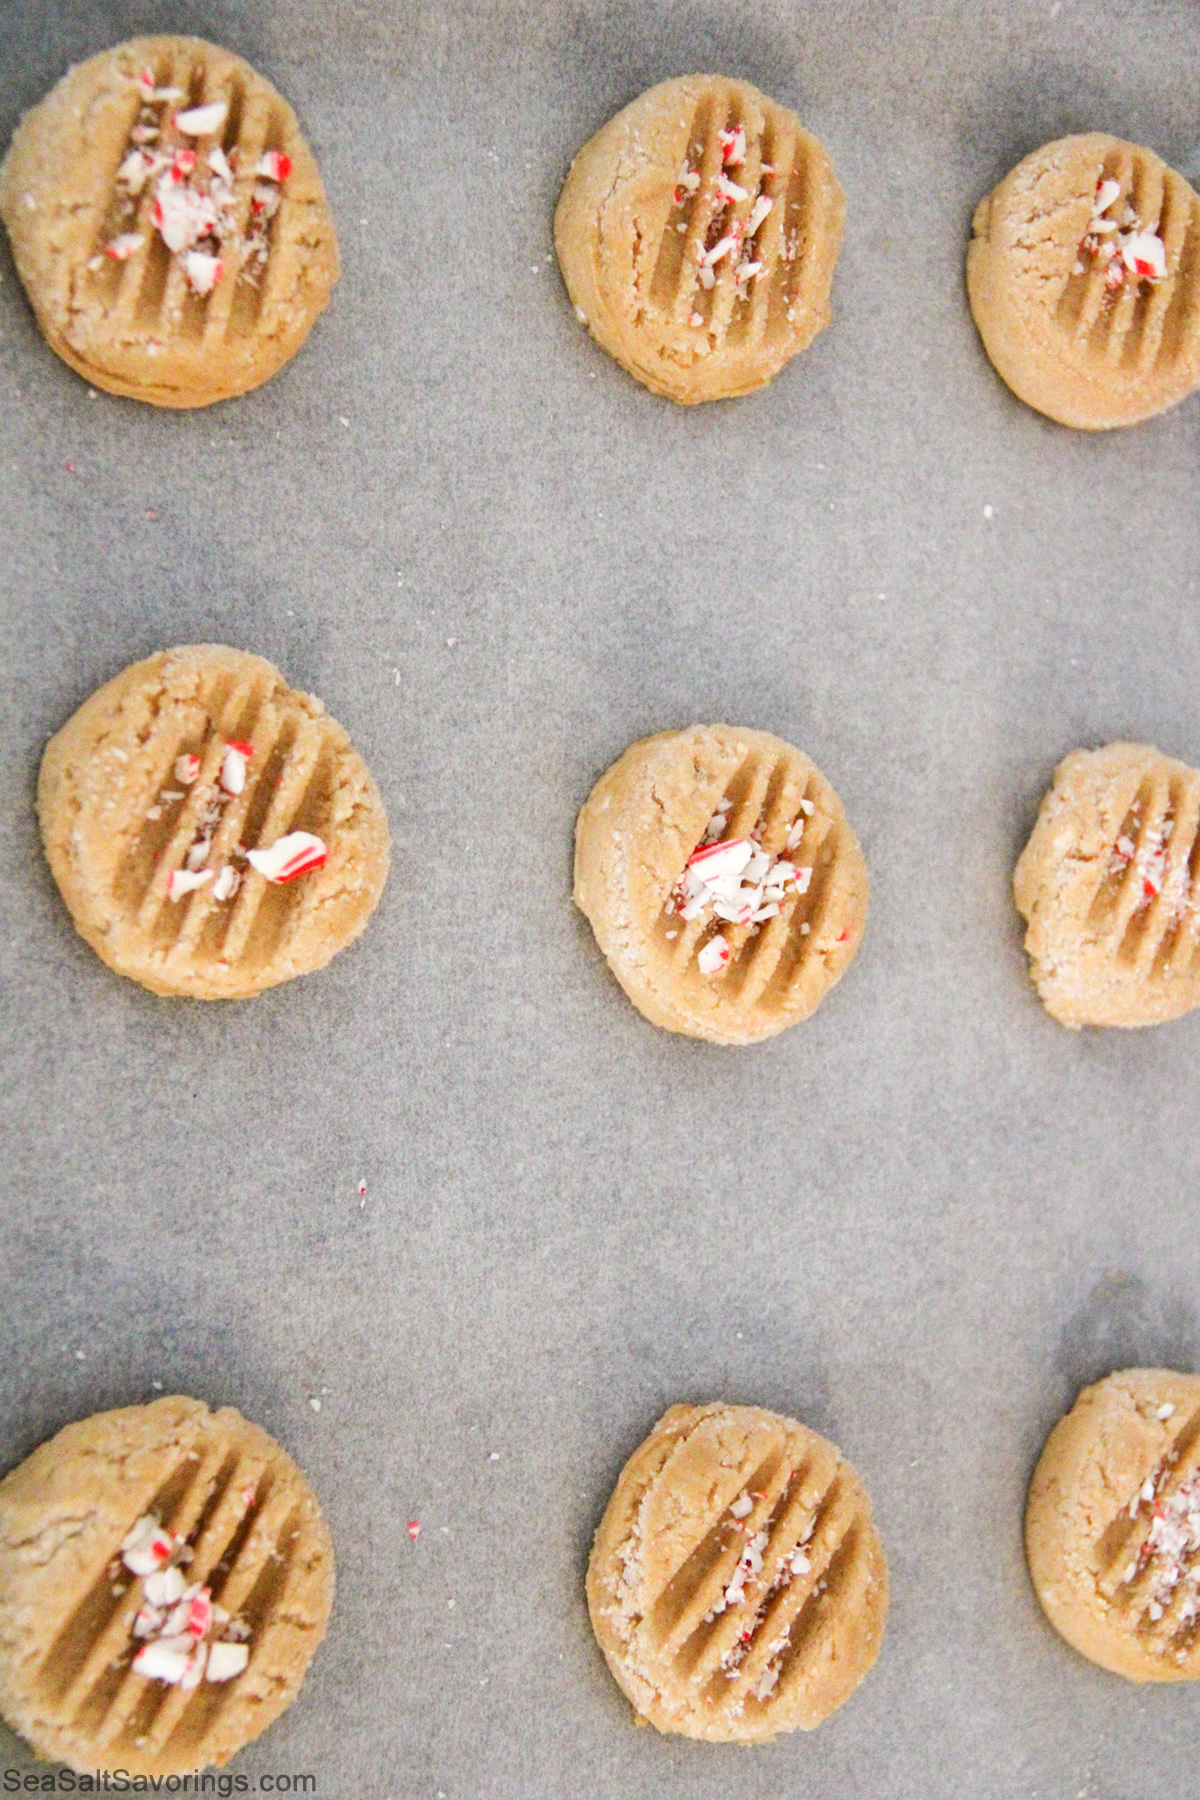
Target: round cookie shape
x,y
697,235
168,222
212,831
1083,273
1112,1526
722,881
737,1585
1110,887
99,1528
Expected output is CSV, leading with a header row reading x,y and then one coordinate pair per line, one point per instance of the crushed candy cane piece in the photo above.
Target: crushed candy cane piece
x,y
227,883
226,1660
202,121
274,165
714,955
164,1659
233,767
187,768
414,1529
742,1506
165,1587
186,881
733,146
1145,255
758,212
147,1547
729,190
289,856
122,247
203,271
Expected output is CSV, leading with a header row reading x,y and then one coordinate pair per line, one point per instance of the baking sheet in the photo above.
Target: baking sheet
x,y
918,1222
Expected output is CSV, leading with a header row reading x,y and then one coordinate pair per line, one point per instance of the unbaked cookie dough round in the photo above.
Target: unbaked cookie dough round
x,y
722,881
697,234
1108,883
212,831
168,222
737,1584
165,1578
1112,1528
1084,278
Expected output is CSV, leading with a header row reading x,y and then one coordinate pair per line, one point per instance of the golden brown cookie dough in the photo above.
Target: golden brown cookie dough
x,y
697,234
212,831
1108,884
737,1584
1084,279
1112,1529
722,881
165,1578
168,222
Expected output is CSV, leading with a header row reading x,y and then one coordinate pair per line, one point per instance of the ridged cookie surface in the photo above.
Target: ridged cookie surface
x,y
644,838
737,1584
168,222
1109,883
134,804
1084,278
68,1603
1112,1527
697,234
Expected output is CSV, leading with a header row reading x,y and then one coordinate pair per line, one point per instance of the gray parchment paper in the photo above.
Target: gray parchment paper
x,y
918,1222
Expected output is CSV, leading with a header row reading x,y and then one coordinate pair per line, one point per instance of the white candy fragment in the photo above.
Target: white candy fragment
x,y
165,1587
179,883
1106,193
742,1506
164,1659
1165,1411
733,146
233,767
729,190
202,121
227,883
121,248
203,271
226,1660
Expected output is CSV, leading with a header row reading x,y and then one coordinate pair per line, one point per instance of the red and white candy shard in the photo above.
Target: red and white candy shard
x,y
733,146
121,248
227,883
1145,255
414,1529
729,190
147,1547
233,767
274,165
164,1659
187,768
185,881
713,955
289,856
742,882
202,121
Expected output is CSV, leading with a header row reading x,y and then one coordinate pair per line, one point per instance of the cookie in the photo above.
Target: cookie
x,y
211,830
697,234
1109,883
165,1578
168,222
1084,278
737,1584
722,881
1112,1528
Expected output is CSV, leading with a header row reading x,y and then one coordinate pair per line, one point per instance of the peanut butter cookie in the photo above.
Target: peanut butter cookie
x,y
211,830
1084,278
165,1578
1112,1528
722,881
697,234
737,1584
168,222
1109,883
